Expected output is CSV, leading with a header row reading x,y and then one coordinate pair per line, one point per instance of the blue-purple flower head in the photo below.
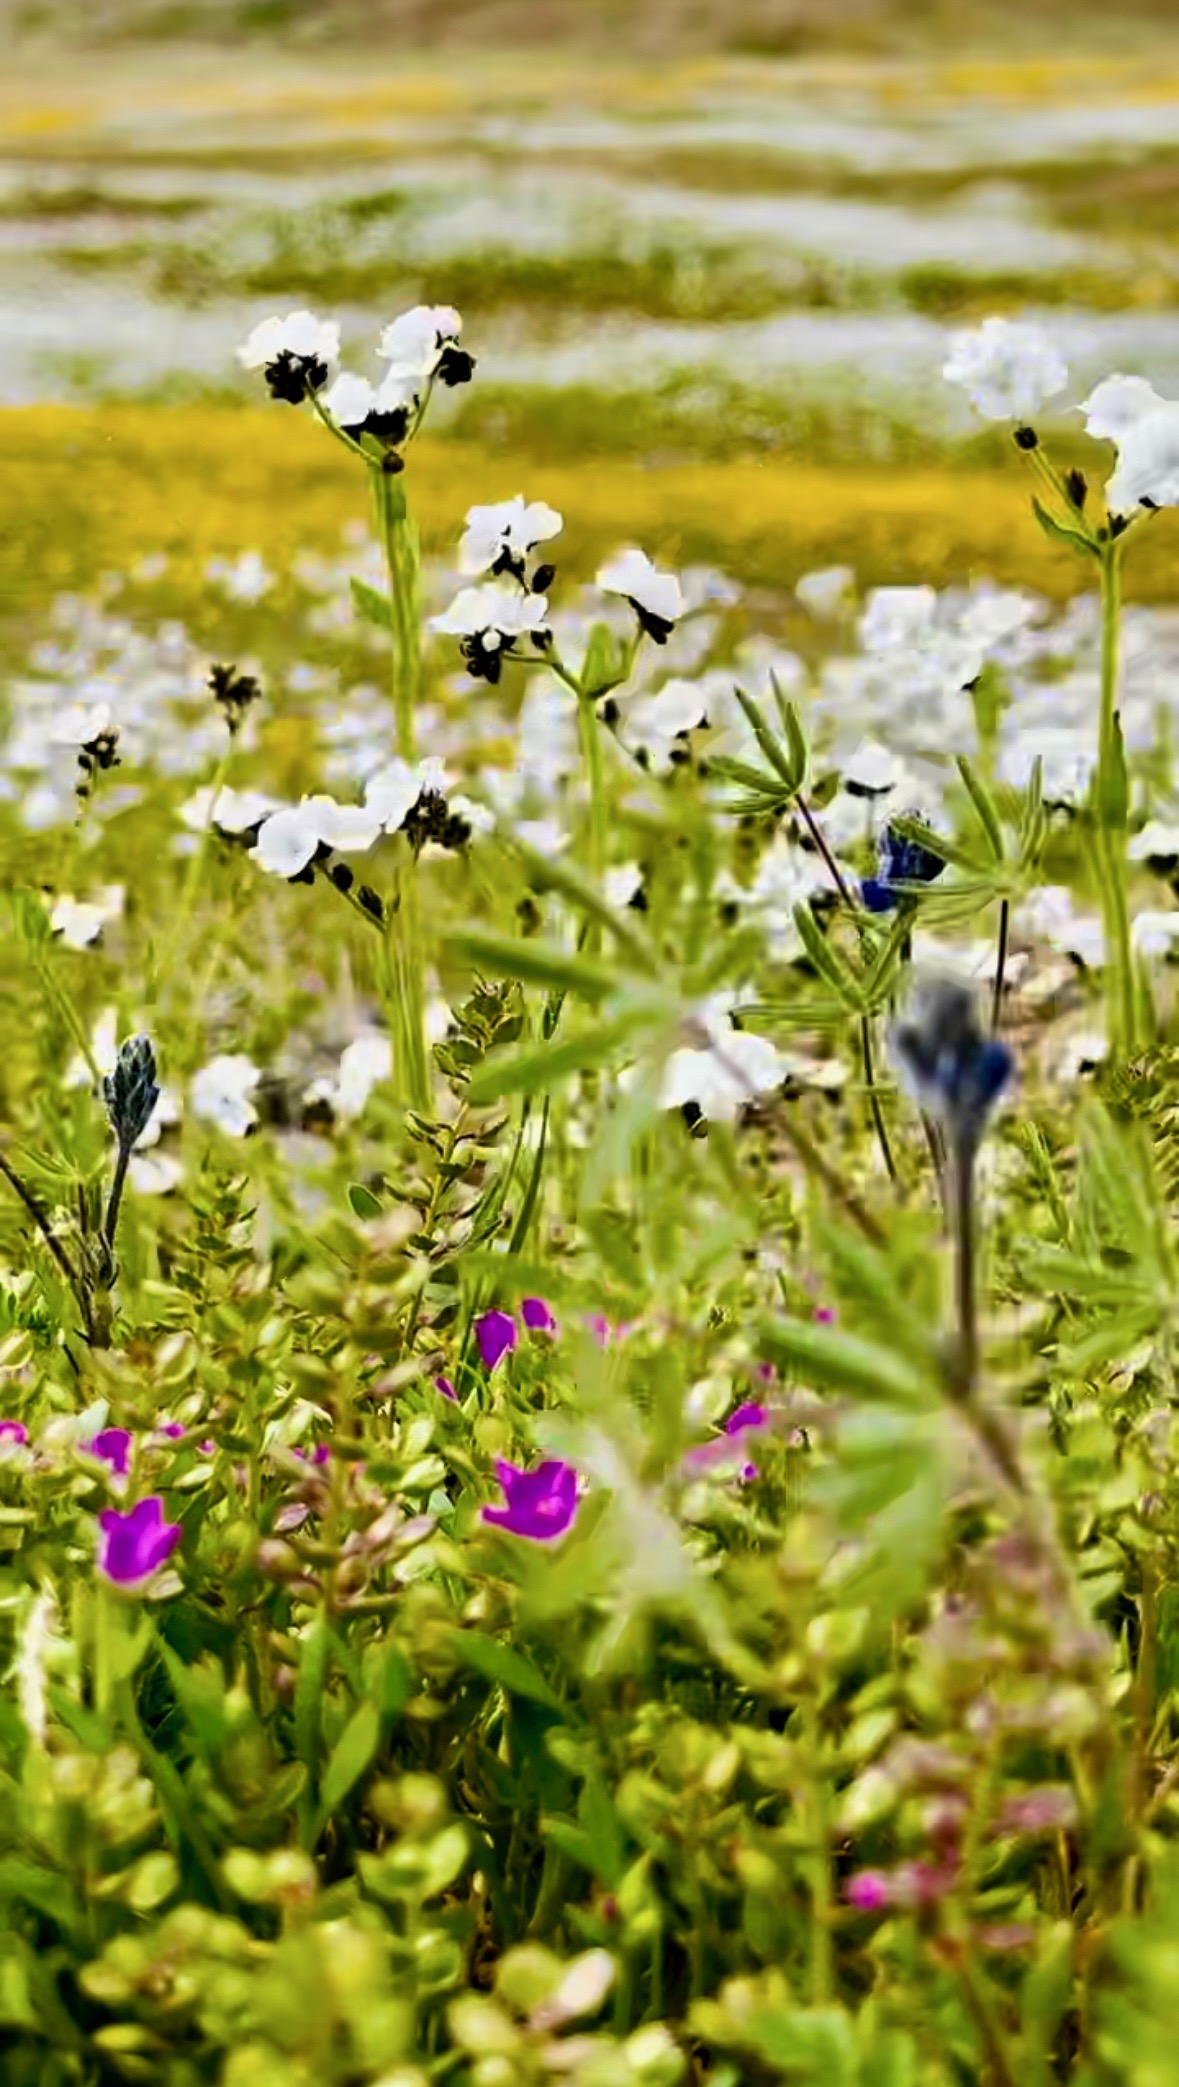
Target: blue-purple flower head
x,y
538,1504
132,1090
954,1069
901,862
134,1545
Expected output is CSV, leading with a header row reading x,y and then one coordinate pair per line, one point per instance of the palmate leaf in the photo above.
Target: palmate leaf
x,y
827,962
779,758
910,828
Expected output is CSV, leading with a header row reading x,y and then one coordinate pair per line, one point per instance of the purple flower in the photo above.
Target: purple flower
x,y
319,1455
541,1504
132,1545
444,1385
113,1446
750,1415
171,1430
869,1891
536,1315
824,1316
14,1431
497,1335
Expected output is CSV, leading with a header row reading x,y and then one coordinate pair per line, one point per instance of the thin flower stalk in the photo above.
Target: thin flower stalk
x,y
407,967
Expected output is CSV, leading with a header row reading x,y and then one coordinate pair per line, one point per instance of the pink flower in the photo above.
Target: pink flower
x,y
824,1315
540,1504
536,1315
868,1891
319,1455
134,1544
13,1431
496,1334
171,1430
113,1446
444,1385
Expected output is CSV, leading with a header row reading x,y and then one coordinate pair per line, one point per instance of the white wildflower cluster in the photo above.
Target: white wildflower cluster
x,y
297,355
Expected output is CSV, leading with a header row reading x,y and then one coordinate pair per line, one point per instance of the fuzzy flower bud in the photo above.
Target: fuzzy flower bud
x,y
131,1091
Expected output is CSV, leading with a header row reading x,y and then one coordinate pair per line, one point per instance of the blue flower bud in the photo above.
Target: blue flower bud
x,y
956,1071
132,1090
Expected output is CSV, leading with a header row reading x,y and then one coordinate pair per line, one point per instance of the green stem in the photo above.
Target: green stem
x,y
404,931
1111,813
874,1098
1000,964
174,946
591,748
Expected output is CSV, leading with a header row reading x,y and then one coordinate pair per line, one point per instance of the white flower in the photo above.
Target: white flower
x,y
1116,405
231,811
290,838
155,1173
221,1091
509,528
720,1081
350,400
479,817
655,725
37,1641
1154,934
546,836
655,597
488,620
1156,842
872,771
1145,427
80,723
81,921
1008,369
363,1063
245,578
300,335
1050,912
391,794
827,591
622,884
287,841
896,618
423,343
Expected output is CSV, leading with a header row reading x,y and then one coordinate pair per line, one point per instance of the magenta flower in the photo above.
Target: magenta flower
x,y
171,1430
14,1431
132,1545
319,1455
113,1446
869,1891
541,1504
599,1325
497,1335
536,1315
750,1415
824,1316
444,1385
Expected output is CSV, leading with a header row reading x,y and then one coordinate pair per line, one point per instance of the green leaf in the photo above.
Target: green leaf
x,y
534,962
984,805
503,1665
364,1203
766,740
372,605
1060,534
827,1355
826,962
352,1755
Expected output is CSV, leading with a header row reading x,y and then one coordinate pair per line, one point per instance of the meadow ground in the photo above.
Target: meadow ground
x,y
589,1484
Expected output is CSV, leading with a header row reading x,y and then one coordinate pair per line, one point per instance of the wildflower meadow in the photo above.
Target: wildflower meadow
x,y
589,1472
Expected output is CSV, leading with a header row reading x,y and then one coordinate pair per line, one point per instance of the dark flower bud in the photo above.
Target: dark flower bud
x,y
455,365
955,1070
1077,487
542,578
234,692
1026,438
132,1090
